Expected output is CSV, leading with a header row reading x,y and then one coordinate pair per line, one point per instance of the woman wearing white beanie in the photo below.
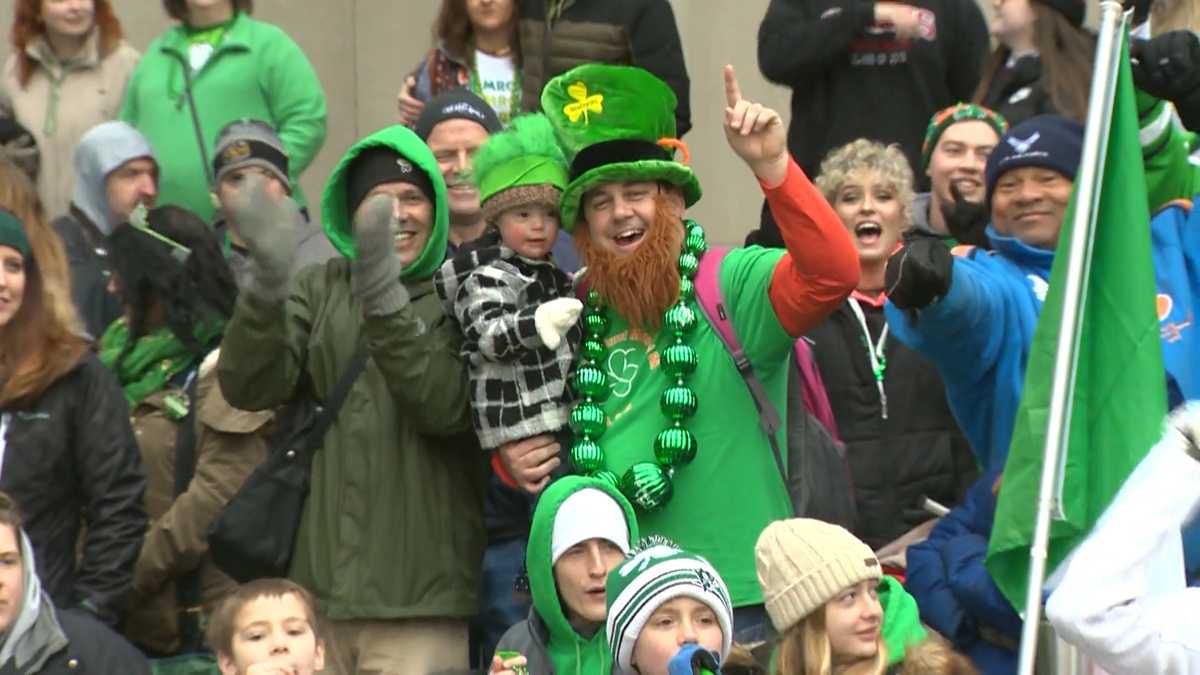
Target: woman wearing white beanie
x,y
828,599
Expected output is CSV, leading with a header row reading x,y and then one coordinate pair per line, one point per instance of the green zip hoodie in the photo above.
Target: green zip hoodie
x,y
338,220
547,628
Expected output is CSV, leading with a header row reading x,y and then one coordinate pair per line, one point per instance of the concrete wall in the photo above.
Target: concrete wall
x,y
362,48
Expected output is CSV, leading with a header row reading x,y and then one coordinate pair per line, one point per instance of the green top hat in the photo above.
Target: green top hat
x,y
610,119
527,153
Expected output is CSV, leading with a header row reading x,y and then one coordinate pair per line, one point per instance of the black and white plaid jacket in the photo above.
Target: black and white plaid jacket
x,y
519,387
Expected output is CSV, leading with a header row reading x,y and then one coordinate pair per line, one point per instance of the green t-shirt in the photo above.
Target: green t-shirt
x,y
732,490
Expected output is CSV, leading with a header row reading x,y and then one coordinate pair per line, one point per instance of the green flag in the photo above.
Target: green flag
x,y
1119,393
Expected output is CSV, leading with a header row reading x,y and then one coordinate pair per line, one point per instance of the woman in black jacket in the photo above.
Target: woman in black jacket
x,y
902,443
69,457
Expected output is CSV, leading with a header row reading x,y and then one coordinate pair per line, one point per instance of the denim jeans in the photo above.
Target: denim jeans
x,y
499,609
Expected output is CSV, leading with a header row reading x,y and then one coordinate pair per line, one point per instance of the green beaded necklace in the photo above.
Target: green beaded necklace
x,y
646,484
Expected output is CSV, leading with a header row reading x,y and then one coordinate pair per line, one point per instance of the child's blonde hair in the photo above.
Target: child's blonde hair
x,y
805,650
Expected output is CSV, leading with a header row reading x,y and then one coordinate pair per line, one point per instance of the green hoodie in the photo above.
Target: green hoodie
x,y
901,619
338,220
571,653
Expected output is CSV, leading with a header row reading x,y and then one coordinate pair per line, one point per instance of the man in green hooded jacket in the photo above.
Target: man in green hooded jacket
x,y
582,529
391,539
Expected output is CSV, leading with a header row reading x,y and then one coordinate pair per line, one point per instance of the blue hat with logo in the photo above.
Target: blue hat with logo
x,y
1046,141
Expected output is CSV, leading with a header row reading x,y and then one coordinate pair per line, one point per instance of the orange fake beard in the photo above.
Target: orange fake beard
x,y
644,284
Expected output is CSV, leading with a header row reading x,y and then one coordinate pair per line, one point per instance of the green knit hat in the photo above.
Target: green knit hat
x,y
611,120
12,233
959,112
654,573
526,155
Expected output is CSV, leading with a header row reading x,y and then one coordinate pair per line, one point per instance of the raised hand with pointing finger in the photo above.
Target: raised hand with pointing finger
x,y
755,132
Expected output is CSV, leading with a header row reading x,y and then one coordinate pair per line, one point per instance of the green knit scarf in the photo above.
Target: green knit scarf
x,y
154,358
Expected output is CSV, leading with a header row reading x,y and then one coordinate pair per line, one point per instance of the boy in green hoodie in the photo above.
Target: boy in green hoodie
x,y
582,528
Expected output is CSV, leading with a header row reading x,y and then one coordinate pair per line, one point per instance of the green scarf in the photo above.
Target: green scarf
x,y
154,358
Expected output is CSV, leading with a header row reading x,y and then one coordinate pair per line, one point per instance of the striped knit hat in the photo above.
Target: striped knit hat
x,y
651,577
948,117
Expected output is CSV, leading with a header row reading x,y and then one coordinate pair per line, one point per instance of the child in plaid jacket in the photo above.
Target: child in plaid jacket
x,y
516,307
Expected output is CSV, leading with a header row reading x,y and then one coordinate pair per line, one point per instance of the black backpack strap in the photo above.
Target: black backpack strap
x,y
328,412
187,587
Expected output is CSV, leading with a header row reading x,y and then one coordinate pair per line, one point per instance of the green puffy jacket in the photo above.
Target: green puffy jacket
x,y
393,526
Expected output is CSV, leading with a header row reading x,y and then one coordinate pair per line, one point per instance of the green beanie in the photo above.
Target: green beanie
x,y
12,233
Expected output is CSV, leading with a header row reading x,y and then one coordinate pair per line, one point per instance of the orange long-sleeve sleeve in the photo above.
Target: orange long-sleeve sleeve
x,y
821,266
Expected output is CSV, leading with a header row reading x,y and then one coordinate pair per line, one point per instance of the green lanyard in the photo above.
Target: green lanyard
x,y
875,352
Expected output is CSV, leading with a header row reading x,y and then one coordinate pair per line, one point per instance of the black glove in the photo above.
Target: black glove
x,y
920,272
1167,66
967,221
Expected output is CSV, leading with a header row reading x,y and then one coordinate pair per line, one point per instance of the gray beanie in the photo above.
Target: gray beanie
x,y
247,142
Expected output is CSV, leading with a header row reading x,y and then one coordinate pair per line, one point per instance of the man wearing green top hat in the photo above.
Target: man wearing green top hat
x,y
391,538
699,467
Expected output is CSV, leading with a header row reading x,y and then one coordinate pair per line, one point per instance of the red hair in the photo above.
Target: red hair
x,y
27,25
41,342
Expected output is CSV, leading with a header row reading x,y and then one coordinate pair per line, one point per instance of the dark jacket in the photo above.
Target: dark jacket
x,y
92,649
850,79
87,257
916,452
957,596
557,35
1016,91
72,464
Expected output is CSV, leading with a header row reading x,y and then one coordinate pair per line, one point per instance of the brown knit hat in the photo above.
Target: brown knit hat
x,y
521,195
804,563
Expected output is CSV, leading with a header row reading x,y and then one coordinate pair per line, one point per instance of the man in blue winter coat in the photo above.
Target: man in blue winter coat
x,y
974,314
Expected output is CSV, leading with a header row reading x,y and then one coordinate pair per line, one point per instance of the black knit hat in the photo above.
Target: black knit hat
x,y
456,104
380,164
1048,141
1074,10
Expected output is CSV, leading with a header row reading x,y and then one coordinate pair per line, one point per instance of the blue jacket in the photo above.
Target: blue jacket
x,y
954,591
979,336
1175,233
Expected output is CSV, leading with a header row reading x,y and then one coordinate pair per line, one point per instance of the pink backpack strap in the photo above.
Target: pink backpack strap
x,y
816,399
708,296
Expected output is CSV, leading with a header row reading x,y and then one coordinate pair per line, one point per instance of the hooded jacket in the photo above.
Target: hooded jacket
x,y
85,228
47,641
72,464
256,72
979,336
547,639
62,101
957,595
393,525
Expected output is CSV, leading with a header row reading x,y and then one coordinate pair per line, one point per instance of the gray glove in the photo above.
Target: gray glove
x,y
269,226
375,272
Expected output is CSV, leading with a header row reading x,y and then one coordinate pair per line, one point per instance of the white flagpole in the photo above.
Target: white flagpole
x,y
1079,254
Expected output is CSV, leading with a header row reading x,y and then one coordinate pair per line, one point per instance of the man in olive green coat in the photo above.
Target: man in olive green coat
x,y
391,540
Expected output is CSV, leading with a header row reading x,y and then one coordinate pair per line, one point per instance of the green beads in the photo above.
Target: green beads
x,y
587,456
588,420
647,486
596,324
680,318
591,382
592,349
688,264
678,402
679,360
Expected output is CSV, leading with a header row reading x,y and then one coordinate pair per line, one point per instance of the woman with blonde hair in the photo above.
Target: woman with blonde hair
x,y
1042,63
67,73
902,443
835,611
70,458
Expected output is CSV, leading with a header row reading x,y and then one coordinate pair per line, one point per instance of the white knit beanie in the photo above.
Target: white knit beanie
x,y
651,578
804,563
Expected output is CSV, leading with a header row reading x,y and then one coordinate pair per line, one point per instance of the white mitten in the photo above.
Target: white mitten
x,y
554,318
